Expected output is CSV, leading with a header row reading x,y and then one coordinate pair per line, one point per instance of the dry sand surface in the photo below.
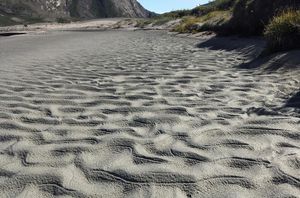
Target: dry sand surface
x,y
143,114
97,24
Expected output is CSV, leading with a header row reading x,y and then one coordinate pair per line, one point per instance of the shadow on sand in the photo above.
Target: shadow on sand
x,y
250,47
294,101
11,33
279,61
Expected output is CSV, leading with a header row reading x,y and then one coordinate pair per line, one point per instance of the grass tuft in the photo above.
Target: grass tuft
x,y
283,32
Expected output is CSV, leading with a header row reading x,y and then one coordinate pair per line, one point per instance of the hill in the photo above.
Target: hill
x,y
278,20
29,11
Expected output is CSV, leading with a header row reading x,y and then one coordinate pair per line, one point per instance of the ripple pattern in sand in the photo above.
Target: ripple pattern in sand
x,y
141,114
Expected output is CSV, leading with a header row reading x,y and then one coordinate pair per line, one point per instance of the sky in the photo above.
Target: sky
x,y
161,6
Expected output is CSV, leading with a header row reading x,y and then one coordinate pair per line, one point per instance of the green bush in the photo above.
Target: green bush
x,y
283,32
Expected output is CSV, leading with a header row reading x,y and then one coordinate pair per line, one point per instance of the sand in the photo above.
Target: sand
x,y
143,114
96,24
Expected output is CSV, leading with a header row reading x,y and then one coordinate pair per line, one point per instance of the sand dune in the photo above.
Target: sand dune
x,y
142,114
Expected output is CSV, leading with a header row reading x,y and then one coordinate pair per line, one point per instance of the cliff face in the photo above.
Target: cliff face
x,y
105,8
84,9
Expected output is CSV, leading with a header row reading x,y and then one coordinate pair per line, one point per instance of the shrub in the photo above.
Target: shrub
x,y
216,21
213,21
156,21
143,23
283,32
251,16
217,5
6,21
62,20
187,25
161,21
175,14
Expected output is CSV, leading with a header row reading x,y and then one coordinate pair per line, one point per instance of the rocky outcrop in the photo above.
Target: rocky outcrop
x,y
82,9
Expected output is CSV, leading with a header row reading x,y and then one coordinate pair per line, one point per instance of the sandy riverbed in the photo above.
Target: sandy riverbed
x,y
142,114
97,24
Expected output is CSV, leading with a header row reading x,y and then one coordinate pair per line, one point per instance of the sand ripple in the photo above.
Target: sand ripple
x,y
142,114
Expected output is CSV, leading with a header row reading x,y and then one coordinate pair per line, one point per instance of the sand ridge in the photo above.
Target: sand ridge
x,y
142,114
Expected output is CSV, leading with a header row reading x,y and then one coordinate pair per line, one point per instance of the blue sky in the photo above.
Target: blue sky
x,y
161,6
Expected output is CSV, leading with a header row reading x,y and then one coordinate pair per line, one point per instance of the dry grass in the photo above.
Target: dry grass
x,y
209,22
157,21
217,5
187,24
283,32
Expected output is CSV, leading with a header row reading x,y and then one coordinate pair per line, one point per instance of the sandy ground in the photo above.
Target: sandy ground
x,y
97,24
143,114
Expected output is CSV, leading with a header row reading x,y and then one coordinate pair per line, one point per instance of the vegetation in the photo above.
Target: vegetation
x,y
175,14
8,19
283,32
212,21
217,5
62,20
243,17
188,24
163,18
246,17
202,18
156,21
250,17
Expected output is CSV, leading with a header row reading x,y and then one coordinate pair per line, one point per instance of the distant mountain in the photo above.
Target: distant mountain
x,y
18,10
